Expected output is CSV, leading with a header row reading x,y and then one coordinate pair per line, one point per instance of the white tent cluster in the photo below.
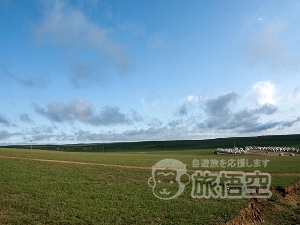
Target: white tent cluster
x,y
271,149
254,148
231,150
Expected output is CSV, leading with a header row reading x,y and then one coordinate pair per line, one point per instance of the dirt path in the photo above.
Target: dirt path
x,y
78,163
118,166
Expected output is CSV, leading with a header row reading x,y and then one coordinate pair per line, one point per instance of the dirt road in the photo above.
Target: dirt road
x,y
115,165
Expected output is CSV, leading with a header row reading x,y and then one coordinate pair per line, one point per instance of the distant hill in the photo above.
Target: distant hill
x,y
270,140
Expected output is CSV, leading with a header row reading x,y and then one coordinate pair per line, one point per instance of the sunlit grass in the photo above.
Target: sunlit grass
x,y
34,192
39,192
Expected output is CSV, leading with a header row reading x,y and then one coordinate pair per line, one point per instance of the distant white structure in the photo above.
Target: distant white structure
x,y
231,150
236,150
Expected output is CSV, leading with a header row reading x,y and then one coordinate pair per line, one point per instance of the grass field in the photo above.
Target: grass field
x,y
63,187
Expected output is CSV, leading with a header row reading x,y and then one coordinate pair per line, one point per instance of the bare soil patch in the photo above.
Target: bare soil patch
x,y
282,208
4,217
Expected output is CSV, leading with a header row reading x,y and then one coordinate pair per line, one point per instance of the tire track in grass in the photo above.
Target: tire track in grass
x,y
76,162
119,166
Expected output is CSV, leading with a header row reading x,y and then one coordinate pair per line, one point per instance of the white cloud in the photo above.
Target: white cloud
x,y
264,92
187,105
67,27
80,110
194,98
272,47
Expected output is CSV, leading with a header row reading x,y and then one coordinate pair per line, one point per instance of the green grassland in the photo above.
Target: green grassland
x,y
40,192
275,164
50,193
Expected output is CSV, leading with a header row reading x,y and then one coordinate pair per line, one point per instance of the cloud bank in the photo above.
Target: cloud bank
x,y
82,111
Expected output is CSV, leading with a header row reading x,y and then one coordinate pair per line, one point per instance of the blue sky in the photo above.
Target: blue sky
x,y
99,71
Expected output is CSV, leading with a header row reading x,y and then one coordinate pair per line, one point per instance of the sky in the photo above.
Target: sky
x,y
87,71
